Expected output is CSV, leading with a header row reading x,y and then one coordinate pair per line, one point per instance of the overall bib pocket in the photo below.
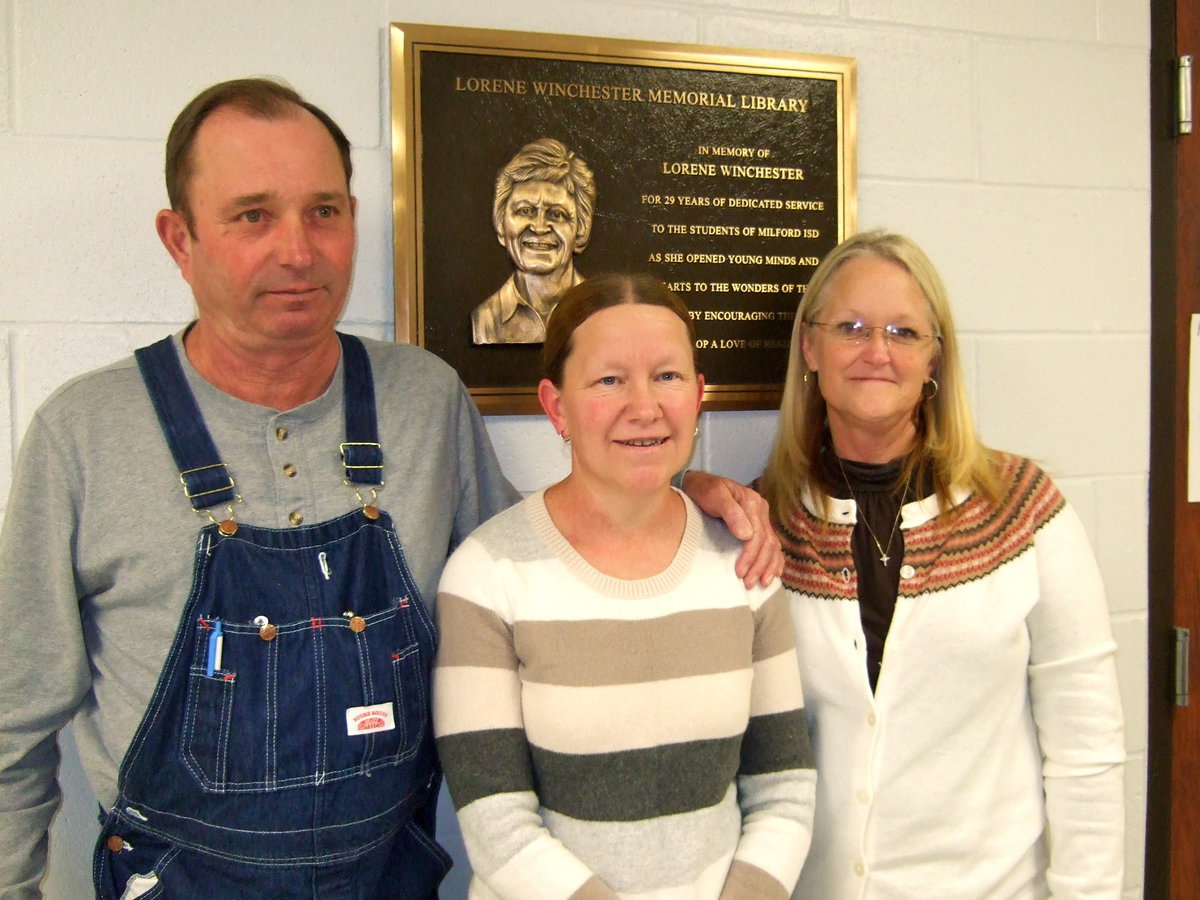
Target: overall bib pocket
x,y
306,701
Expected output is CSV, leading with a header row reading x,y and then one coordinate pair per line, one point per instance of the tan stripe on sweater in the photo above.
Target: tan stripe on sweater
x,y
609,651
470,635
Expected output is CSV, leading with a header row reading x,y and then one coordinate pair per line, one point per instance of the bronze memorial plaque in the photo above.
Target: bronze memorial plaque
x,y
524,162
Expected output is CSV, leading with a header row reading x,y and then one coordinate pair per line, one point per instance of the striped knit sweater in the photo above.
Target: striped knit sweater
x,y
609,738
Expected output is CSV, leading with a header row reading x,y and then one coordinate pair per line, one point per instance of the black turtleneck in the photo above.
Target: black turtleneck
x,y
876,492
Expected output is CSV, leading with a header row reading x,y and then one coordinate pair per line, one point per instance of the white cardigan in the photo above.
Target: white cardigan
x,y
988,763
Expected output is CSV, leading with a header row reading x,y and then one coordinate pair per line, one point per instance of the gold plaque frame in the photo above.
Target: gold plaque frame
x,y
727,173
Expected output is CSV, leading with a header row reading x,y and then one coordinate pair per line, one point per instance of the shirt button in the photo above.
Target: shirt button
x,y
295,517
859,868
864,797
871,720
281,433
289,470
907,571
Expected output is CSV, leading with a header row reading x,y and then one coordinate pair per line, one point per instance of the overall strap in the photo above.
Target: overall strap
x,y
362,456
206,480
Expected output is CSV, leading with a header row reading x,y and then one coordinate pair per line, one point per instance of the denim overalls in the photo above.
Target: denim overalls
x,y
287,749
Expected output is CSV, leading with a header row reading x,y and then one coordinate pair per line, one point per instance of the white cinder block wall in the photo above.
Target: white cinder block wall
x,y
1010,139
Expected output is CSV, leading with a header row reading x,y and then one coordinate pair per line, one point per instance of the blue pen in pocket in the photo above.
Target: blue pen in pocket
x,y
215,645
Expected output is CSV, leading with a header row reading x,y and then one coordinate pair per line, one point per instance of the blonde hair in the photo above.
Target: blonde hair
x,y
947,450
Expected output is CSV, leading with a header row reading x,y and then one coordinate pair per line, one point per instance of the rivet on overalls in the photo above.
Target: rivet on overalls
x,y
358,624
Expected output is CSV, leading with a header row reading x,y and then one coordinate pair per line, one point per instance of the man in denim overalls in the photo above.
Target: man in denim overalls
x,y
249,689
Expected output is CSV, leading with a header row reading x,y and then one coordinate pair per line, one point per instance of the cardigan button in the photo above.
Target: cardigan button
x,y
907,571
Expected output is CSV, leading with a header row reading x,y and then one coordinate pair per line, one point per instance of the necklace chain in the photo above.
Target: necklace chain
x,y
883,552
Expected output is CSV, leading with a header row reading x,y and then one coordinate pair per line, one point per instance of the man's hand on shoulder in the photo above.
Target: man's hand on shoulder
x,y
747,517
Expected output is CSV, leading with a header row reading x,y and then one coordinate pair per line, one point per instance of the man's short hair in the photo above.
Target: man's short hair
x,y
262,98
547,159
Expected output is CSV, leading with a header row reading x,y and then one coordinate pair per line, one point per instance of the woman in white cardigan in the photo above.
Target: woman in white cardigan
x,y
951,624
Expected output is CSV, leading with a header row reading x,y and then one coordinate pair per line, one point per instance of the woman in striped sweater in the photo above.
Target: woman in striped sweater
x,y
617,714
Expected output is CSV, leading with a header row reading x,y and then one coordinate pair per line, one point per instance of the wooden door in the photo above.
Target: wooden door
x,y
1185,728
1173,789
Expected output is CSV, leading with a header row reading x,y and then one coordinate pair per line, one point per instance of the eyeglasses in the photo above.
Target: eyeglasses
x,y
860,333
